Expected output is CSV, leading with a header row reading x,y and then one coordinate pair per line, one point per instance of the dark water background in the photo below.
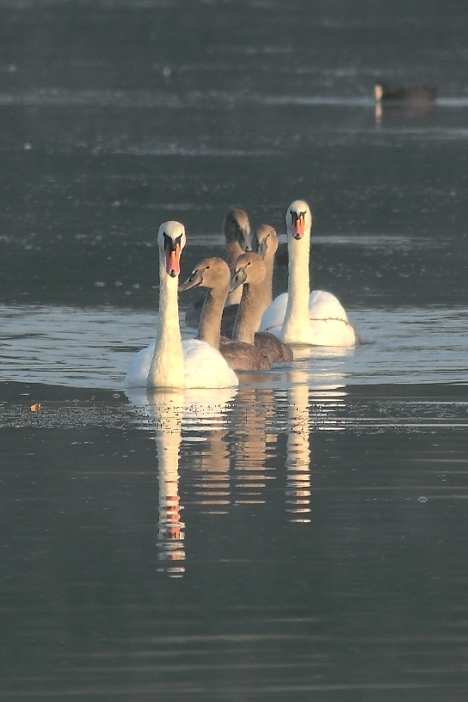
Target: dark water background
x,y
303,538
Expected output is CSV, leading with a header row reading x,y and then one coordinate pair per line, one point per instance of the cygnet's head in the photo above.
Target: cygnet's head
x,y
265,241
249,270
171,241
298,219
236,227
209,273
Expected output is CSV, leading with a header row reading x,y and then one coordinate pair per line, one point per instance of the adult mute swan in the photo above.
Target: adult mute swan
x,y
296,317
171,362
214,274
250,271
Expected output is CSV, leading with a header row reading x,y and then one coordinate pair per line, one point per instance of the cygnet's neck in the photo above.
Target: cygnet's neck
x,y
167,365
266,290
249,314
210,317
296,319
234,250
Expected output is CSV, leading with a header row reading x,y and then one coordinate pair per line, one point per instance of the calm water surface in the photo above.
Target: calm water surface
x,y
302,537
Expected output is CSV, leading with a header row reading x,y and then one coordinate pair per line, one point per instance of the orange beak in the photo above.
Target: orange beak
x,y
299,226
173,261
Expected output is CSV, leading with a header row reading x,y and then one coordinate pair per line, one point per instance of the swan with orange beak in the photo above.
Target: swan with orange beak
x,y
296,317
170,362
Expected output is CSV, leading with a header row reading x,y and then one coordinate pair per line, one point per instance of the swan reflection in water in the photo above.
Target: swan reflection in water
x,y
298,449
168,413
254,414
313,398
227,437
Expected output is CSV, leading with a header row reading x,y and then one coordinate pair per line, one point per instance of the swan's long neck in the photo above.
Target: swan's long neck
x,y
249,314
234,250
296,319
167,365
267,285
210,318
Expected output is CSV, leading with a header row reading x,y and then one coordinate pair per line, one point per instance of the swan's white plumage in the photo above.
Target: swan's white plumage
x,y
297,317
168,362
204,367
328,321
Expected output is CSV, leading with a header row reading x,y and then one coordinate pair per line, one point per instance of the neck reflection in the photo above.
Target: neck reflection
x,y
168,410
253,414
178,417
298,449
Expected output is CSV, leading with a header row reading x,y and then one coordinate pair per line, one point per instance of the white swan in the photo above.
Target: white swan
x,y
170,362
296,317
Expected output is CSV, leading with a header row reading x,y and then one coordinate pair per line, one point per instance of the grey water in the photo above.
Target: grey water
x,y
302,537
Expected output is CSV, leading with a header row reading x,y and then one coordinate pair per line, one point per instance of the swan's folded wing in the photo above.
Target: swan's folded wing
x,y
324,305
273,317
329,321
205,367
137,375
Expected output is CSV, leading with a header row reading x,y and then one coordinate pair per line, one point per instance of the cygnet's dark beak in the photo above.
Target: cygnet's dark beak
x,y
195,280
261,248
248,244
243,238
237,279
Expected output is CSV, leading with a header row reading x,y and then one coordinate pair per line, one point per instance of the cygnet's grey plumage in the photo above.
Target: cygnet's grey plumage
x,y
250,271
236,230
264,242
214,274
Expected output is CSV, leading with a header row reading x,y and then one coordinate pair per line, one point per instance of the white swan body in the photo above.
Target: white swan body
x,y
170,362
328,322
297,317
202,367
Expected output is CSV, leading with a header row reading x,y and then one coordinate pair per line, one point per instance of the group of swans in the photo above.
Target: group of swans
x,y
296,317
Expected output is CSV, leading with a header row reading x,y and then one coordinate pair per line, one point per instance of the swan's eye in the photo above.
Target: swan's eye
x,y
297,216
172,244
